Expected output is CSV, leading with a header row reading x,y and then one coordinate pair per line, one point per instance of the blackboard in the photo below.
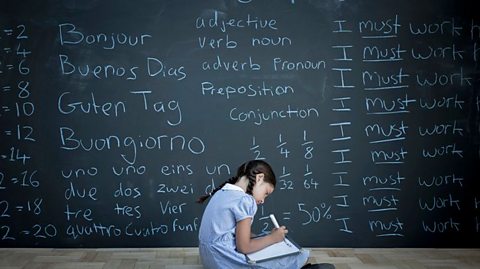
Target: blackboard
x,y
116,115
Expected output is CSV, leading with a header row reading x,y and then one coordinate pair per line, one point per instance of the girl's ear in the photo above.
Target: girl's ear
x,y
259,177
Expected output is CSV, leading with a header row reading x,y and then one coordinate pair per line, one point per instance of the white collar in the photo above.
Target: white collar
x,y
232,187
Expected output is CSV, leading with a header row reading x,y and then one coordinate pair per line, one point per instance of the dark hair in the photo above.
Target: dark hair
x,y
249,169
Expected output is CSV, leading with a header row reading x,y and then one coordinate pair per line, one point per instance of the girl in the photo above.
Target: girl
x,y
225,235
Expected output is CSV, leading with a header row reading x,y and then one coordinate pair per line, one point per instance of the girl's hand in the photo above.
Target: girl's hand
x,y
278,234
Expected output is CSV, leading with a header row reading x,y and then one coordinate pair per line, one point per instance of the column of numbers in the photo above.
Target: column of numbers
x,y
17,113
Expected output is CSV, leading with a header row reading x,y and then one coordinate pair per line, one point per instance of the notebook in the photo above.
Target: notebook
x,y
280,249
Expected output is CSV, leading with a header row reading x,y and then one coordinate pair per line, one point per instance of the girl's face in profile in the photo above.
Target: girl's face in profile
x,y
261,190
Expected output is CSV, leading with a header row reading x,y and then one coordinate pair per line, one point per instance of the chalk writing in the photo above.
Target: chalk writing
x,y
250,90
386,229
258,117
69,35
216,21
112,124
447,27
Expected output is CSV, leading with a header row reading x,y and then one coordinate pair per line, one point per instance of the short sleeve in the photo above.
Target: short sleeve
x,y
246,208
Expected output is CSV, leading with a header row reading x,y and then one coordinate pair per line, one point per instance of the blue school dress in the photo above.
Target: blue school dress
x,y
217,233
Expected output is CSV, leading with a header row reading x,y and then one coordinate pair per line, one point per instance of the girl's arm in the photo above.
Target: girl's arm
x,y
246,245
